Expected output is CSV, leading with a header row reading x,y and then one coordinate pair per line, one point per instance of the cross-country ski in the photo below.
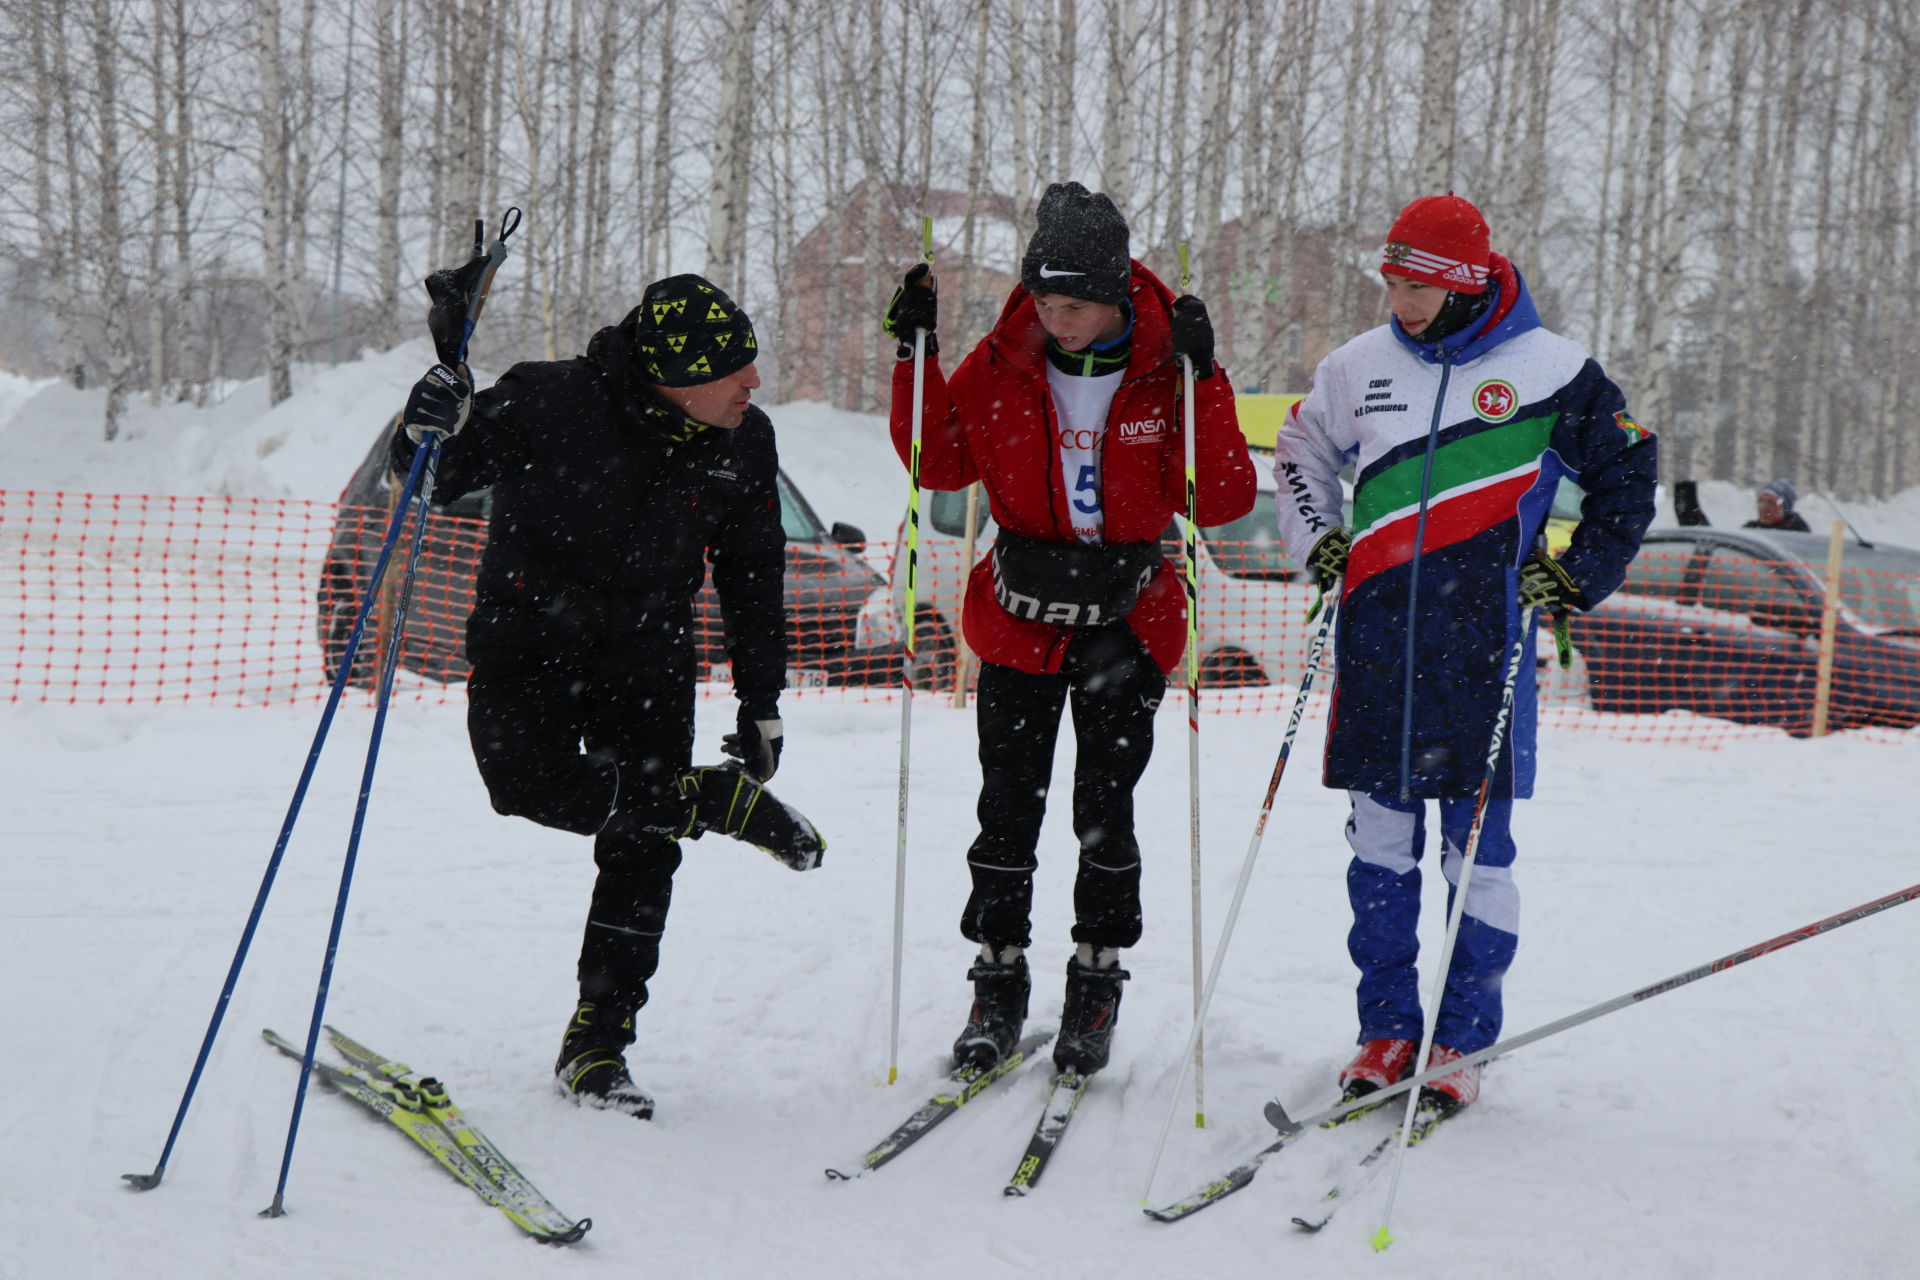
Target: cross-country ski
x,y
421,1108
964,1084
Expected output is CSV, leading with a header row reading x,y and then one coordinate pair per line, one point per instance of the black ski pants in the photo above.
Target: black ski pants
x,y
1114,689
558,743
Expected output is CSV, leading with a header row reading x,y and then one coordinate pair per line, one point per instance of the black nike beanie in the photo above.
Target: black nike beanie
x,y
1079,247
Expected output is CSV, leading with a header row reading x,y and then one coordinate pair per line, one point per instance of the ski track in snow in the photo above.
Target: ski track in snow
x,y
1729,1129
1752,1125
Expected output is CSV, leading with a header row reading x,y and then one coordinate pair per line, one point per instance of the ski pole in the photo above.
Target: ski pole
x,y
1413,578
424,464
1314,654
1502,725
1190,564
482,267
1289,1127
906,670
148,1181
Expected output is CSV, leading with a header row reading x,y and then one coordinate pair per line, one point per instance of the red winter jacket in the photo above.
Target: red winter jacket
x,y
994,422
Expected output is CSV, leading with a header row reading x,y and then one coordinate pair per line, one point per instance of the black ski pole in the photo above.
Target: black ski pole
x,y
478,274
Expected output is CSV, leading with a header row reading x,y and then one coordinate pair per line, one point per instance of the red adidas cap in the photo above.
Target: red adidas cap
x,y
1442,241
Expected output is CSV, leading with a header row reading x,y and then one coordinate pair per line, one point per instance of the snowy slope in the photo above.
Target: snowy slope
x,y
1754,1124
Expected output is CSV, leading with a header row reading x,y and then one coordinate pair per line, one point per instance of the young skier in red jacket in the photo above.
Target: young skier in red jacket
x,y
1069,414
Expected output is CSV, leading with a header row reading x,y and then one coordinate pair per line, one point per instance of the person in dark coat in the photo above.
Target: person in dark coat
x,y
1069,415
617,477
1773,509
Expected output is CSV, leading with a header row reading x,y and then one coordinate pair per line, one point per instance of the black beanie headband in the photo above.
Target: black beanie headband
x,y
689,331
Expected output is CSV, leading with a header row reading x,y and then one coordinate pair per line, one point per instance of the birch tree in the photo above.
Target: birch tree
x,y
1440,67
109,193
732,142
390,42
276,283
1666,278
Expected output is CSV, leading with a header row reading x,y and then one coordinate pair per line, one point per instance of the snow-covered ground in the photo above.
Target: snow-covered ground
x,y
1754,1124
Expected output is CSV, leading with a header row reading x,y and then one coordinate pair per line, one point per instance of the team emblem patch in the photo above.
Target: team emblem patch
x,y
1496,400
1635,432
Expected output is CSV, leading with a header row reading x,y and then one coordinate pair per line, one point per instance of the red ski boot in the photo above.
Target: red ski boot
x,y
1378,1064
1454,1090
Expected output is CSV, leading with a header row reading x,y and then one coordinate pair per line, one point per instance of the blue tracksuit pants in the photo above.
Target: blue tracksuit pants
x,y
1388,836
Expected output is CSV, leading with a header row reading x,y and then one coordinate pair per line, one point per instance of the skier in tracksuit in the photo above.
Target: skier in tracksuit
x,y
617,476
1068,413
1459,416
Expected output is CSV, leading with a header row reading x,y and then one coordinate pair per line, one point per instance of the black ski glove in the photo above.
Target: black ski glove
x,y
1328,559
450,291
1193,334
755,743
915,305
440,403
1686,503
1545,584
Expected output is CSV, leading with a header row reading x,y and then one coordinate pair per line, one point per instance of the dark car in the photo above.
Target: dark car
x,y
1727,623
827,585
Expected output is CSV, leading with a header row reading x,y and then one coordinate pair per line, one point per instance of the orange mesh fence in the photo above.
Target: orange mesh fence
x,y
124,598
135,599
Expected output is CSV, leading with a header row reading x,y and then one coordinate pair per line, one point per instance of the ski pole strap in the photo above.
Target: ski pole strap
x,y
459,294
492,256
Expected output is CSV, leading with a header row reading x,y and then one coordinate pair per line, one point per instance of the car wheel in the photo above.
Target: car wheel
x,y
935,653
338,606
1231,669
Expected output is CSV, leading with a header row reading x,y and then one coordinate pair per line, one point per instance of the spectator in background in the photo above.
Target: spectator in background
x,y
1773,509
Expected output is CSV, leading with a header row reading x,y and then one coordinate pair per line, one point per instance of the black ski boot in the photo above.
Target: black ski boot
x,y
730,801
1093,1006
1001,985
591,1071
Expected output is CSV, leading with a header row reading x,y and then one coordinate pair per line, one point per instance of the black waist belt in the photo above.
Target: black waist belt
x,y
1070,584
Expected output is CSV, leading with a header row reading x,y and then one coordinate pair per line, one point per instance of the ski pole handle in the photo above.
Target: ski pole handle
x,y
493,255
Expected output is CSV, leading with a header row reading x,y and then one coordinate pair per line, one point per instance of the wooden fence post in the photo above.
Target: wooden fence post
x,y
1829,622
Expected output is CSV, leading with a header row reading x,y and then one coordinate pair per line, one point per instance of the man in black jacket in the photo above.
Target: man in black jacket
x,y
616,477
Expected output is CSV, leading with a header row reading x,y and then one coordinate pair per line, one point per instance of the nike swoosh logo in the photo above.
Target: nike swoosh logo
x,y
1047,273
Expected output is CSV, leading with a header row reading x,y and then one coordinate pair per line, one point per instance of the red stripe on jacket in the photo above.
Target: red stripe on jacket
x,y
1450,520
